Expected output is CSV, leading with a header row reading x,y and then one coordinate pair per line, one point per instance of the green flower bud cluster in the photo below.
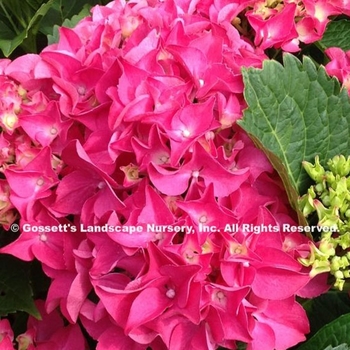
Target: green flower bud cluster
x,y
329,197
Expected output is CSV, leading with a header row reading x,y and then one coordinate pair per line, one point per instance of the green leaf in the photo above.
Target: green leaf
x,y
295,112
34,23
72,22
19,24
28,23
241,345
54,36
333,334
8,39
19,12
15,290
337,35
65,9
39,13
339,347
326,308
69,23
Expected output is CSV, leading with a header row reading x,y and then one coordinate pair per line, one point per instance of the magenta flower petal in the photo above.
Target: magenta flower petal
x,y
71,202
69,338
202,165
184,127
277,283
317,286
169,182
114,338
44,127
263,337
6,335
287,319
149,304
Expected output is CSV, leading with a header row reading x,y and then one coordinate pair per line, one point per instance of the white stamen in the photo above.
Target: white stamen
x,y
158,236
101,185
164,159
203,219
195,173
43,237
170,293
220,295
81,90
40,182
186,133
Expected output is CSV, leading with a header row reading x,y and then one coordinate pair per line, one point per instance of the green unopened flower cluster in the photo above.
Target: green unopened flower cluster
x,y
329,197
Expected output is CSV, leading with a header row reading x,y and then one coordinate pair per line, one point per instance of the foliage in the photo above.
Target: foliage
x,y
337,35
24,25
15,290
335,334
295,111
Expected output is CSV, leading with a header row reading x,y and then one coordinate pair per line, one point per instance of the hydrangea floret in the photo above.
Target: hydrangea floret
x,y
329,198
339,65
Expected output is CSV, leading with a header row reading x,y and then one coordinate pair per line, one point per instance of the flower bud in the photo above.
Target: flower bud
x,y
328,216
335,263
346,273
327,247
319,188
316,172
335,200
339,283
306,205
330,178
344,262
319,266
339,165
344,240
326,199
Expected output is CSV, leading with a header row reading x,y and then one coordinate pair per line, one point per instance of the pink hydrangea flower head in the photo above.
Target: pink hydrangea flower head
x,y
274,27
136,190
339,65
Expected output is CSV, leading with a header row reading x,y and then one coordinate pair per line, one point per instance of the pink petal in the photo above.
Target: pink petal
x,y
277,283
263,337
149,304
115,339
